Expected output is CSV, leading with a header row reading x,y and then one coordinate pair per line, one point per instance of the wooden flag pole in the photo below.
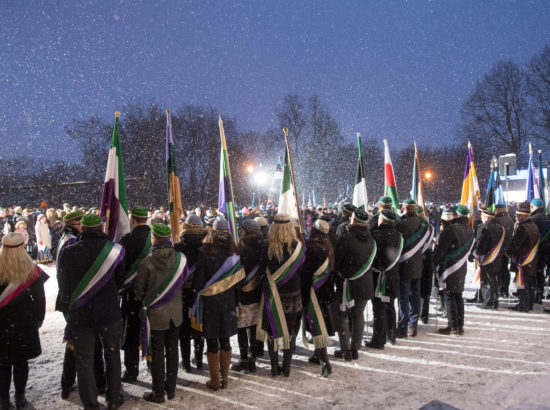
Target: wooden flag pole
x,y
285,130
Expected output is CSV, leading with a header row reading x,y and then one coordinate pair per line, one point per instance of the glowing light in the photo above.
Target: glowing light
x,y
428,175
250,169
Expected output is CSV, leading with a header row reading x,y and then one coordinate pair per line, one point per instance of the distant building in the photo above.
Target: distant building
x,y
516,189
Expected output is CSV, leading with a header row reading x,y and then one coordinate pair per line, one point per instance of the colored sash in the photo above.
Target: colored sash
x,y
272,315
485,260
346,301
526,261
66,240
380,292
252,280
227,276
97,275
313,320
163,294
131,273
416,241
12,290
430,239
459,256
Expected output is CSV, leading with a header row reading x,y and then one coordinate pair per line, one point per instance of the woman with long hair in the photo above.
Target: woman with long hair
x,y
214,312
22,311
318,293
253,251
281,304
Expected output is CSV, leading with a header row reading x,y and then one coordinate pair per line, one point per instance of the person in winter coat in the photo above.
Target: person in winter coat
x,y
502,217
385,278
523,253
355,252
137,245
488,251
218,272
253,252
283,283
158,285
427,280
450,257
543,223
347,212
317,278
93,311
22,311
43,239
21,228
191,238
415,232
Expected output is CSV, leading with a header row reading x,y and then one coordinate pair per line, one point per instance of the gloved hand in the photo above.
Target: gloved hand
x,y
41,243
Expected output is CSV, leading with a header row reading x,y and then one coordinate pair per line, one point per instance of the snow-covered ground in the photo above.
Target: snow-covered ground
x,y
502,361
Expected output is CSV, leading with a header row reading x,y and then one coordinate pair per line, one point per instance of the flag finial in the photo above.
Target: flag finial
x,y
358,134
168,111
117,114
285,130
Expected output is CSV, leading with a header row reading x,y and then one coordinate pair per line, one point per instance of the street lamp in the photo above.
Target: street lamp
x,y
428,175
250,168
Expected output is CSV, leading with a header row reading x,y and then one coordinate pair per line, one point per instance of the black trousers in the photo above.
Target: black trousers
x,y
20,376
165,374
504,276
391,319
489,287
247,341
454,304
84,339
539,290
351,338
527,294
379,328
213,345
68,377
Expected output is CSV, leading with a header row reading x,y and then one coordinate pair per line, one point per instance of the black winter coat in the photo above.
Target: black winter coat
x,y
19,323
412,267
219,311
454,236
294,284
504,219
253,253
525,237
74,262
488,236
315,257
353,250
387,241
189,245
130,306
542,222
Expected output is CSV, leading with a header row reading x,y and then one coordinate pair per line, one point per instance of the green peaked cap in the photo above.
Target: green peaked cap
x,y
73,215
462,210
91,220
385,200
139,211
409,201
161,230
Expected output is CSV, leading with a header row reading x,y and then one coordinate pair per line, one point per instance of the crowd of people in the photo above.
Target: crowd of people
x,y
165,297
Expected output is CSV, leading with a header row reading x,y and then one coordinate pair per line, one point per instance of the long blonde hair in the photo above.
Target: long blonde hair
x,y
15,263
279,234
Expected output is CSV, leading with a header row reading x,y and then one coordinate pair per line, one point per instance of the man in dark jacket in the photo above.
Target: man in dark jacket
x,y
488,251
415,233
385,277
543,223
355,251
347,212
450,256
502,217
523,253
427,280
163,312
136,245
93,311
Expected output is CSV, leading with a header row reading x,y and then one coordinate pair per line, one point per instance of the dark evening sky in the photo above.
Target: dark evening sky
x,y
389,69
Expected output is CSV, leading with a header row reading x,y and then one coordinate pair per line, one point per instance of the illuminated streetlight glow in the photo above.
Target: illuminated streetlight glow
x,y
428,175
250,169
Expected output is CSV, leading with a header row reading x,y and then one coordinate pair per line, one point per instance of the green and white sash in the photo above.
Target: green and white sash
x,y
416,242
347,301
131,273
380,291
455,260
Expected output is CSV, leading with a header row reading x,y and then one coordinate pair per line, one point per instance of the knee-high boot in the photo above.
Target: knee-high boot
x,y
185,345
198,348
274,358
242,338
214,368
326,367
287,358
225,360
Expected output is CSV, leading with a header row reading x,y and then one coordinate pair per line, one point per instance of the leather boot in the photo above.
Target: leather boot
x,y
243,363
198,349
225,360
214,367
186,354
326,367
287,357
274,358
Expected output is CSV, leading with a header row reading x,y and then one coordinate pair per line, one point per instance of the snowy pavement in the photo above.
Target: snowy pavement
x,y
502,361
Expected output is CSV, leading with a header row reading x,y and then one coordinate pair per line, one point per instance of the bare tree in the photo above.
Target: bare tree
x,y
539,88
496,117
